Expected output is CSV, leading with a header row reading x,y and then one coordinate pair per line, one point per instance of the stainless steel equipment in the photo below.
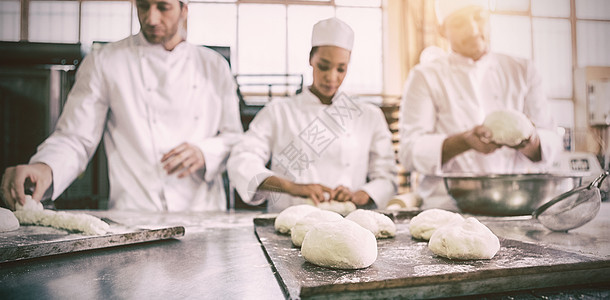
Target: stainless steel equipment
x,y
506,194
572,209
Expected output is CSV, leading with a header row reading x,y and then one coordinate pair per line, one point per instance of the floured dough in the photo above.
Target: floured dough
x,y
468,239
405,201
289,216
8,221
30,204
508,127
302,226
341,245
32,213
425,223
343,208
379,224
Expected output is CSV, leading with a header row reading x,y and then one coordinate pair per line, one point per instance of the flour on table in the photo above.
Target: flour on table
x,y
425,223
302,226
32,213
8,221
379,224
341,245
289,217
508,127
468,239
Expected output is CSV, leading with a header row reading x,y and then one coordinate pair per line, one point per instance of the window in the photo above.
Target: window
x,y
53,21
542,30
9,20
105,21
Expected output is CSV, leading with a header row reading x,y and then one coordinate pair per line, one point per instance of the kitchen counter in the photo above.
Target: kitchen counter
x,y
220,258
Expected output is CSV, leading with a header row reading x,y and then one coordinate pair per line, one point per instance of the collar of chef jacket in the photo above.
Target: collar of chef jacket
x,y
314,99
459,60
158,49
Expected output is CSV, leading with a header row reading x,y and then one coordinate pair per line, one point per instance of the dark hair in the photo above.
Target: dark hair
x,y
312,52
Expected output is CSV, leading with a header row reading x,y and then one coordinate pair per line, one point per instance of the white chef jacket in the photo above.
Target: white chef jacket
x,y
453,94
346,143
146,100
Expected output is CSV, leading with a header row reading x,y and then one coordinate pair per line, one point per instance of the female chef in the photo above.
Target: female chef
x,y
323,145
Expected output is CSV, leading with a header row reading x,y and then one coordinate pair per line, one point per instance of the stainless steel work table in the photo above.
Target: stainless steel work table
x,y
220,258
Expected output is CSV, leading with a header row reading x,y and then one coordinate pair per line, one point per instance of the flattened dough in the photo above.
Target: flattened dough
x,y
298,231
8,221
468,239
32,213
425,223
340,245
342,208
508,127
289,217
379,224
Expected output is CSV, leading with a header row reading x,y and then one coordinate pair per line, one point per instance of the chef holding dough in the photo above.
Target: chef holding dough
x,y
323,145
447,99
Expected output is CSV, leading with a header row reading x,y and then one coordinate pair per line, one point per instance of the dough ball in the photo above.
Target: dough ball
x,y
468,239
508,127
8,221
343,208
289,216
340,245
302,226
425,223
379,224
30,204
405,201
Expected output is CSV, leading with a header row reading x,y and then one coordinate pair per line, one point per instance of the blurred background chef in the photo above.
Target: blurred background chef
x,y
323,144
168,112
447,97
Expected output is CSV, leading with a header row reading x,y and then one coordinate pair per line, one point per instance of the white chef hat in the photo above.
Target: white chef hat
x,y
332,32
445,8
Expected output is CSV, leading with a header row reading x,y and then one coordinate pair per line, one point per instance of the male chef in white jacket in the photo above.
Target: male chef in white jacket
x,y
322,144
446,99
167,110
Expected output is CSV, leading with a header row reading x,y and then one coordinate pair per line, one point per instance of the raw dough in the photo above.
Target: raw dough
x,y
468,239
343,208
405,201
289,216
8,221
341,245
298,231
508,127
32,213
425,223
379,224
30,204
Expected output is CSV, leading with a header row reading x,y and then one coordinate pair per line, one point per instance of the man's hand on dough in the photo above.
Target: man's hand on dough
x,y
360,198
15,178
479,139
185,158
531,147
316,192
342,194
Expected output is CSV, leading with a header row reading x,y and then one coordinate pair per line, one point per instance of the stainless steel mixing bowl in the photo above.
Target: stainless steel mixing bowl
x,y
506,194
